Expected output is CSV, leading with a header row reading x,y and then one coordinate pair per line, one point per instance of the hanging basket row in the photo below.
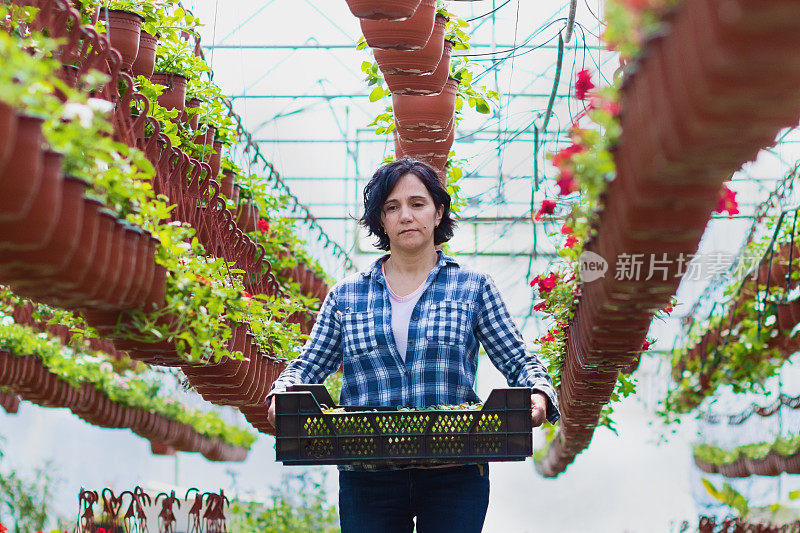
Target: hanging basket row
x,y
773,464
32,381
414,58
688,121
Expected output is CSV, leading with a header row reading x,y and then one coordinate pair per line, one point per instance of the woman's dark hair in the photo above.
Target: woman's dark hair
x,y
382,184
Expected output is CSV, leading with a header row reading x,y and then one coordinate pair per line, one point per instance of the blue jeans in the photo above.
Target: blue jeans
x,y
442,499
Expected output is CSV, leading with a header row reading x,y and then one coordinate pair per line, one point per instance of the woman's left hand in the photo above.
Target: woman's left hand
x,y
538,408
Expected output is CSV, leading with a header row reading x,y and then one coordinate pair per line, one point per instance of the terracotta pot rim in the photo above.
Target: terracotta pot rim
x,y
119,11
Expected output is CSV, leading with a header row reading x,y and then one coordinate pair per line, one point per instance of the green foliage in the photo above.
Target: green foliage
x,y
729,496
25,501
125,388
298,504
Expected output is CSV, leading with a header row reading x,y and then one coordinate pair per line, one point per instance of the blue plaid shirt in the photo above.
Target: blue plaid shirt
x,y
458,309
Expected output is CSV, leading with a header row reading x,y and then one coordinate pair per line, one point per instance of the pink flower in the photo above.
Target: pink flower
x,y
583,84
263,225
565,155
727,202
566,183
548,208
566,229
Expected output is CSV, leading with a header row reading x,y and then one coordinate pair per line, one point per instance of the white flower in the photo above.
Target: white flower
x,y
82,112
100,106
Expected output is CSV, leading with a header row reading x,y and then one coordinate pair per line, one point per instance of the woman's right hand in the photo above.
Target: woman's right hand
x,y
271,412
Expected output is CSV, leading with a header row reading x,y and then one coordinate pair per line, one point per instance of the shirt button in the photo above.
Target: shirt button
x,y
414,318
411,343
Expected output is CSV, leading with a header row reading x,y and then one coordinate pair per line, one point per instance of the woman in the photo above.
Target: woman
x,y
407,334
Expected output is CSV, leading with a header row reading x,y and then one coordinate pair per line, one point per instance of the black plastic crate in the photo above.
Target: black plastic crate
x,y
500,431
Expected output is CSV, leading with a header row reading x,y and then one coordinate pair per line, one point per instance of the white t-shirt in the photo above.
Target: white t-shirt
x,y
402,308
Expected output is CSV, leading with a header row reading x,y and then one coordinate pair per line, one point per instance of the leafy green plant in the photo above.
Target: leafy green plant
x,y
126,388
297,504
26,501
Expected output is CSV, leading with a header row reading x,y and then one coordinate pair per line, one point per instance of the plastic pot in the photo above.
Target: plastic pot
x,y
23,170
47,261
425,84
174,95
146,56
123,28
431,113
226,184
34,230
8,128
416,62
410,34
383,9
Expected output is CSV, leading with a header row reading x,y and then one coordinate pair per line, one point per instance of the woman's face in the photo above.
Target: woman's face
x,y
409,215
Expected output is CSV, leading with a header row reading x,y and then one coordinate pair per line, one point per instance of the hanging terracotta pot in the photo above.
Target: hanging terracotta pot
x,y
34,230
123,28
8,128
83,286
416,62
383,9
226,183
212,155
419,149
410,34
426,83
146,56
33,265
194,121
174,95
23,171
432,113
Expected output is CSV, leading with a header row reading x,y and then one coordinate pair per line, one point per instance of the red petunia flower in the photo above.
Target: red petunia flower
x,y
3,528
263,225
548,208
566,182
548,284
566,229
565,155
572,240
548,338
727,202
541,306
583,84
646,346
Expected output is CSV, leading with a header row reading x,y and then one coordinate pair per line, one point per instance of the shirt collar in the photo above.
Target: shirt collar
x,y
377,272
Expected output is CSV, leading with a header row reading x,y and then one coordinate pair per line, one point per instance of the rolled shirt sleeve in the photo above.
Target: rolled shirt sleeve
x,y
504,345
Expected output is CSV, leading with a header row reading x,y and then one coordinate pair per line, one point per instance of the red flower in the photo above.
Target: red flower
x,y
246,294
566,182
572,240
3,528
667,309
565,155
541,306
548,338
263,225
583,84
727,202
535,280
646,346
547,284
548,208
566,229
